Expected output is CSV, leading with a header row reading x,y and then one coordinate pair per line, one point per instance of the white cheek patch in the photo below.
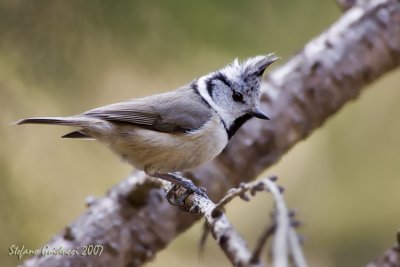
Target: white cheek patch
x,y
202,89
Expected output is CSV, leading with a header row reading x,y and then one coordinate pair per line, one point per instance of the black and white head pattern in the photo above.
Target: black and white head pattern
x,y
234,91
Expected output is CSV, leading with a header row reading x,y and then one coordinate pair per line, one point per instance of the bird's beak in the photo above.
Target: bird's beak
x,y
259,114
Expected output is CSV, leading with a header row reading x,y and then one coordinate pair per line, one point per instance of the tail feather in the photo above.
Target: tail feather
x,y
51,120
77,134
86,125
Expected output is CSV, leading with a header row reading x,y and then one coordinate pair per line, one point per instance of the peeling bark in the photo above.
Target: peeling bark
x,y
134,221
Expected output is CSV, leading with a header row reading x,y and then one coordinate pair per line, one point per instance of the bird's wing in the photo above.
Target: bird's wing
x,y
178,111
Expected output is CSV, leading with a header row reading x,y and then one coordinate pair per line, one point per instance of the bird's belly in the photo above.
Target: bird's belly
x,y
169,152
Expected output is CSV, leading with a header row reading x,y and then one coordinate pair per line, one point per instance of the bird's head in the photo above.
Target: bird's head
x,y
234,91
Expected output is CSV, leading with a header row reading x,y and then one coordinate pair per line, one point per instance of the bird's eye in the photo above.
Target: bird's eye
x,y
238,97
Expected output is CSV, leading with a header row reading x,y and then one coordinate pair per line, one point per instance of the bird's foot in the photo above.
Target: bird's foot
x,y
174,194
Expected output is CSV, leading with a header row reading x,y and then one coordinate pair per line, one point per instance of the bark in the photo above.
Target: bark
x,y
286,244
391,258
134,221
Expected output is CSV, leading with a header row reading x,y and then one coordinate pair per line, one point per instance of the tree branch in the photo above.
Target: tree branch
x,y
233,245
391,257
134,221
285,244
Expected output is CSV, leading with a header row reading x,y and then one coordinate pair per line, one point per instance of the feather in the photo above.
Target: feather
x,y
178,111
76,134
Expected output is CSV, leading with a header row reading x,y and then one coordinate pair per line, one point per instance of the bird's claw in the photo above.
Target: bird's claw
x,y
178,199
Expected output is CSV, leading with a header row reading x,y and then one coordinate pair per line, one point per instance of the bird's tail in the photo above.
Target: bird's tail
x,y
69,121
66,121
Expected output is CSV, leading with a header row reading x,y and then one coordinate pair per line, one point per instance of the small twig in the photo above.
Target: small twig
x,y
229,240
242,190
280,246
296,251
233,245
285,242
233,193
286,237
204,237
268,232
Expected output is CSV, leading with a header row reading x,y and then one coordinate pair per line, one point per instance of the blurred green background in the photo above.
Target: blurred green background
x,y
64,57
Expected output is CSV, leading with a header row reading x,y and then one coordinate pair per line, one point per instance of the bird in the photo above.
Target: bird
x,y
175,131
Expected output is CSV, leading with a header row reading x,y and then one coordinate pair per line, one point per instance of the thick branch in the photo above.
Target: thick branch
x,y
391,258
134,221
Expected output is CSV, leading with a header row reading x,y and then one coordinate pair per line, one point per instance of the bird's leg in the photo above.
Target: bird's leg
x,y
182,182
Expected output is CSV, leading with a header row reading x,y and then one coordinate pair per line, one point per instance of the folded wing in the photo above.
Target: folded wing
x,y
179,111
